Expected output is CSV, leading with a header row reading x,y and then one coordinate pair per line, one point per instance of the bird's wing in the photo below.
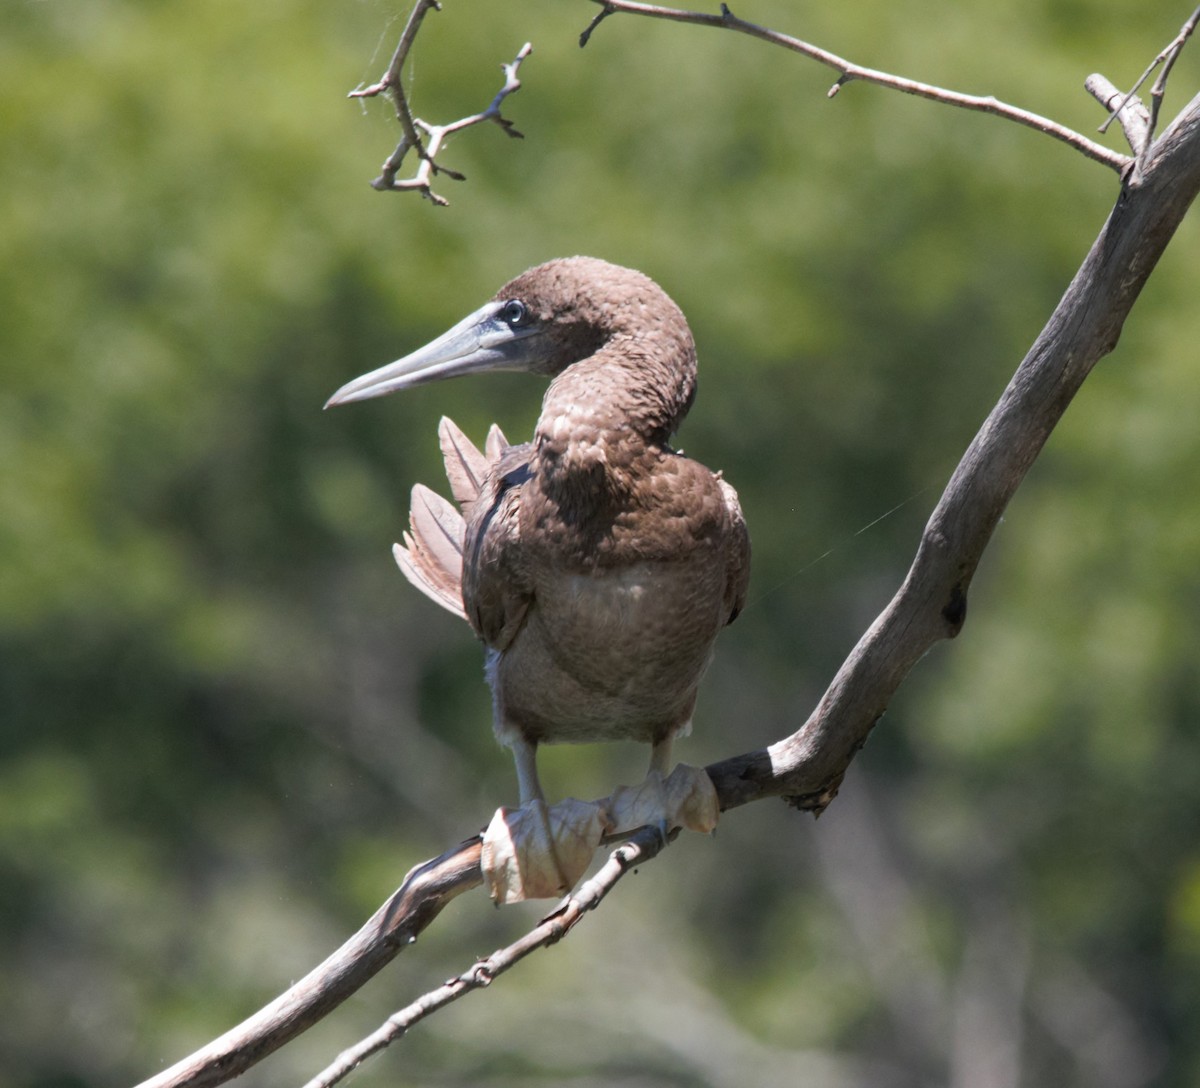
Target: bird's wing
x,y
497,589
737,566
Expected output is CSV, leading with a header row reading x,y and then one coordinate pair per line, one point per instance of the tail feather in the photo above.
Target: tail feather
x,y
420,578
431,555
465,465
496,443
432,560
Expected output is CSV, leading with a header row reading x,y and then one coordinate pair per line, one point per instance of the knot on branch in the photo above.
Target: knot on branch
x,y
954,611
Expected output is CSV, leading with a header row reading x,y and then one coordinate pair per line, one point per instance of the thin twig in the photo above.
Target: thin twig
x,y
605,11
437,134
1130,93
640,847
848,72
1169,55
391,80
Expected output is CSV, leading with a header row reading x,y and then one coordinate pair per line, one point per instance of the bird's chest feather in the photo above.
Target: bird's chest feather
x,y
614,511
630,601
614,652
643,603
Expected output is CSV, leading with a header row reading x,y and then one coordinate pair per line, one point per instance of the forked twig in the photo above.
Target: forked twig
x,y
437,134
1167,59
413,126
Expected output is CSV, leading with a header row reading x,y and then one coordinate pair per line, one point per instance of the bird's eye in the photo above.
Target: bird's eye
x,y
514,313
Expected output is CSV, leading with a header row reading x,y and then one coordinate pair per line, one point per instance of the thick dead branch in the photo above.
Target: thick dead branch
x,y
427,150
848,72
392,928
931,604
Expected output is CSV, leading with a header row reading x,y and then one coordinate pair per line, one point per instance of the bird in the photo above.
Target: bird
x,y
596,563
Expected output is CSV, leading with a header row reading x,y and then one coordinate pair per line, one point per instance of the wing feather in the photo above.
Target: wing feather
x,y
497,587
737,565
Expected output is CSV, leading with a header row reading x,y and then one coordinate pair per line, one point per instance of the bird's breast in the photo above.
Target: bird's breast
x,y
611,653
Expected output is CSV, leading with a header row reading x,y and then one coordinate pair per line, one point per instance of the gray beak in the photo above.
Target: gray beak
x,y
482,341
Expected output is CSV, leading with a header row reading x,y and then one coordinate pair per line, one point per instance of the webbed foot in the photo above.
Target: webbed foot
x,y
685,798
539,851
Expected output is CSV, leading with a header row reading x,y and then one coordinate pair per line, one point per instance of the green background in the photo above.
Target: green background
x,y
228,726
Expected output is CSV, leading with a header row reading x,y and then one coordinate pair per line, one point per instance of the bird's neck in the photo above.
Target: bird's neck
x,y
611,409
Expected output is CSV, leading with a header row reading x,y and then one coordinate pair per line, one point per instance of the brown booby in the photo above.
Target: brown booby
x,y
596,563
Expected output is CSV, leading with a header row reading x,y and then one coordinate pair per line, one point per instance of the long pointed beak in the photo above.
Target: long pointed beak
x,y
481,341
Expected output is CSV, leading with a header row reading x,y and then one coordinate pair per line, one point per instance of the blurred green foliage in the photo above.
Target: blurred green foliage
x,y
229,726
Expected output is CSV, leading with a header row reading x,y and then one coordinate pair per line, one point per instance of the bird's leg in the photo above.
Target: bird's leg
x,y
656,776
660,757
535,851
525,756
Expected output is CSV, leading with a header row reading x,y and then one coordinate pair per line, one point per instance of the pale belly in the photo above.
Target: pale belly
x,y
616,654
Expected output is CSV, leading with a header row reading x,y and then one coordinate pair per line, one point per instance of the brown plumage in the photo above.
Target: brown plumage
x,y
596,563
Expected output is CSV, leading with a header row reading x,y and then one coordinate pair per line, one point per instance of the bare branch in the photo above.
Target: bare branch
x,y
807,767
640,847
392,928
848,72
413,126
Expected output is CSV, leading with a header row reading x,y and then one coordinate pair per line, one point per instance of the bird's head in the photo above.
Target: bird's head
x,y
542,322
